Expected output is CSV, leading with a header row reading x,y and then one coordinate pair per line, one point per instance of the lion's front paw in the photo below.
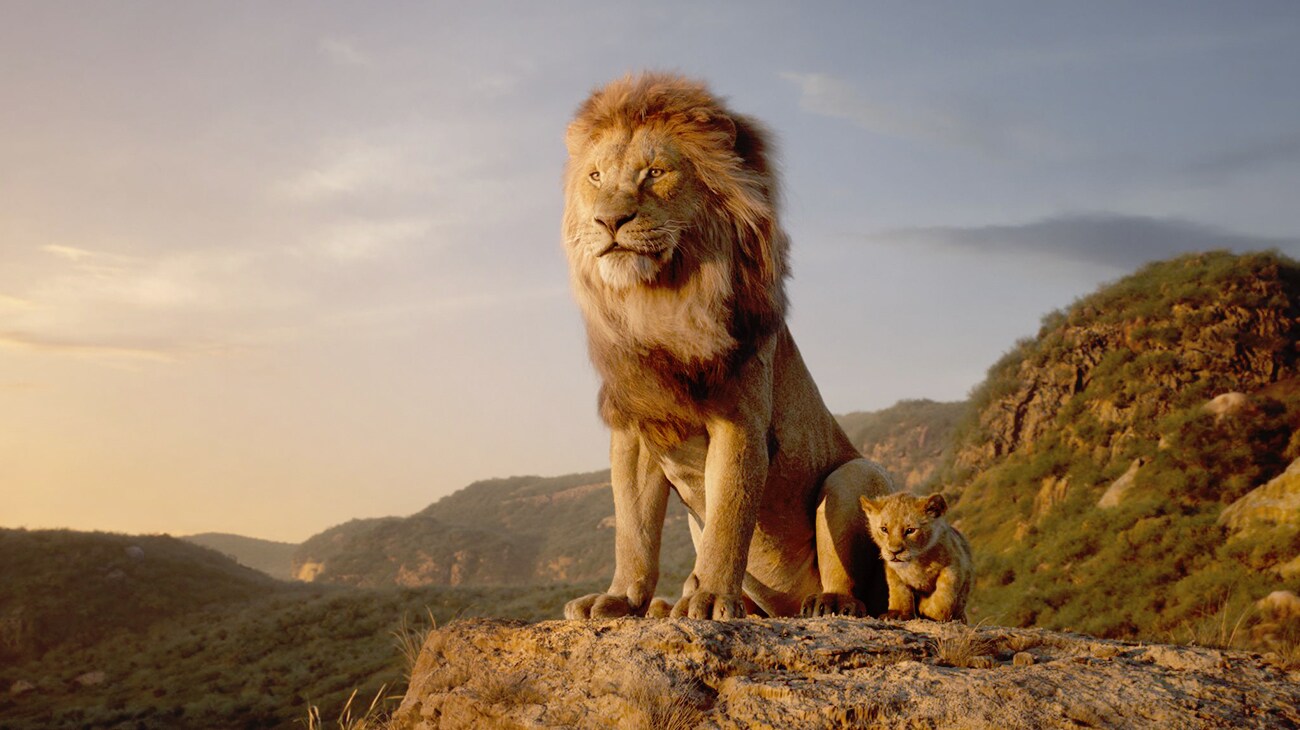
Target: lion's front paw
x,y
898,616
598,605
832,604
706,605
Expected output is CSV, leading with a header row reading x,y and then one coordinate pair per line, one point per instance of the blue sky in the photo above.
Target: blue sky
x,y
265,267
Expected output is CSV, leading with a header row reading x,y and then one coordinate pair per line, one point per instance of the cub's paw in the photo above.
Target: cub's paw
x,y
598,605
706,605
832,604
898,616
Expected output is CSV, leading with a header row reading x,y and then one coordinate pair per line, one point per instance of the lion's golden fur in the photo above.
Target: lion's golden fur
x,y
678,263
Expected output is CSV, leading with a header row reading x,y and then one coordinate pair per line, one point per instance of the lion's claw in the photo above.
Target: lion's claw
x,y
832,604
706,605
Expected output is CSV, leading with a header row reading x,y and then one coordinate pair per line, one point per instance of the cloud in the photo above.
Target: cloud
x,y
351,167
828,96
1112,240
343,52
157,351
1248,157
363,239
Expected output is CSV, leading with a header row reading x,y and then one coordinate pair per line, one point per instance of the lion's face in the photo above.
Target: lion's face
x,y
903,525
632,196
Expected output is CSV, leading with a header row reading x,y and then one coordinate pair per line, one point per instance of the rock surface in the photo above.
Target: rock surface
x,y
1275,503
831,672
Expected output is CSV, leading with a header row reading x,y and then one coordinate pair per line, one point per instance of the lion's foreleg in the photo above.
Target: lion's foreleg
x,y
640,501
735,475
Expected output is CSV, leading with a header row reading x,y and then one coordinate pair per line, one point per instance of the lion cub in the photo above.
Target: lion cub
x,y
927,562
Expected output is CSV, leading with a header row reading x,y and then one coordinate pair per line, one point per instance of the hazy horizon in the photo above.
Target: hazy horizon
x,y
267,268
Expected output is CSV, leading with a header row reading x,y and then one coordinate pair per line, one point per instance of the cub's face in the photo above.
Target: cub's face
x,y
903,525
631,194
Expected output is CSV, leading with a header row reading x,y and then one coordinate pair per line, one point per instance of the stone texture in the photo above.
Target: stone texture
x,y
1277,502
1115,492
831,672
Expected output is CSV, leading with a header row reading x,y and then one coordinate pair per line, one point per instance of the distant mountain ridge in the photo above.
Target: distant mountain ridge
x,y
269,556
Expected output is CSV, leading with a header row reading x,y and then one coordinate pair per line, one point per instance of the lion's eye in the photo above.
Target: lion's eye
x,y
655,172
909,530
594,175
884,529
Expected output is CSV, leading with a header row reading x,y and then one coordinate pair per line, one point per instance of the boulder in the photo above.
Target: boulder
x,y
828,672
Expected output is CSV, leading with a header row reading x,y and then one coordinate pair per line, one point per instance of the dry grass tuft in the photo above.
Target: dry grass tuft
x,y
409,639
509,690
375,717
653,704
966,649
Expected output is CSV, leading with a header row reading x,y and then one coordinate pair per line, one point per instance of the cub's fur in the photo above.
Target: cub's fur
x,y
927,562
678,263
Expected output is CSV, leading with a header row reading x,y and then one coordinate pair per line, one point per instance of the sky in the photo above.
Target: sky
x,y
268,267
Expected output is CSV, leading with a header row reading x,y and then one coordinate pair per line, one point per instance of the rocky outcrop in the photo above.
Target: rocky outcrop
x,y
833,672
909,438
1277,502
1114,494
1174,328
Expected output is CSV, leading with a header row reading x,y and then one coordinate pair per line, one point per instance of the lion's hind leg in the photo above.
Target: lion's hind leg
x,y
848,562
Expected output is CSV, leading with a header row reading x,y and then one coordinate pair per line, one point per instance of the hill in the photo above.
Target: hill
x,y
154,632
75,588
271,557
521,530
1094,463
910,438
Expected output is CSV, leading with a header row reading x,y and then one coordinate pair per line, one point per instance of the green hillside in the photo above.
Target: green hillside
x,y
1117,385
63,588
271,557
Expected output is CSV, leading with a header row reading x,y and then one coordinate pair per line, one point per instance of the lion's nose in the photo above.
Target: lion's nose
x,y
614,221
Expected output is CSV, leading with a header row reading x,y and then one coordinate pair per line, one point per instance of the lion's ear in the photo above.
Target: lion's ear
x,y
868,506
577,137
718,124
935,505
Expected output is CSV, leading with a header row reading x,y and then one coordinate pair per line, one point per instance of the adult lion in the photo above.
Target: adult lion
x,y
679,265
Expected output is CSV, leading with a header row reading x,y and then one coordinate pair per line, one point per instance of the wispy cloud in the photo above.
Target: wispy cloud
x,y
1248,157
829,96
346,168
1112,240
362,239
343,52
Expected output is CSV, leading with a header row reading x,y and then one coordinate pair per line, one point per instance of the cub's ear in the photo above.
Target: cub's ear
x,y
934,505
869,507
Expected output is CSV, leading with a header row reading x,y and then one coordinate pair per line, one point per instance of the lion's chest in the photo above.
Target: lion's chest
x,y
692,323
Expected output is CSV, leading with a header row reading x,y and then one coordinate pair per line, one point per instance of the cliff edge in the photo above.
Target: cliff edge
x,y
832,672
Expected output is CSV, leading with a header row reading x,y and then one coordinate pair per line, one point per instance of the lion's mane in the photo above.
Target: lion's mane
x,y
664,393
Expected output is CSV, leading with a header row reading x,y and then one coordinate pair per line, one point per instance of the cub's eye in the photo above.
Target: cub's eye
x,y
909,530
655,172
884,529
594,175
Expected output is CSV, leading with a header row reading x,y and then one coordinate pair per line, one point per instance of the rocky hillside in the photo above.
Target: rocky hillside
x,y
269,556
516,531
910,438
560,529
63,588
1095,465
639,673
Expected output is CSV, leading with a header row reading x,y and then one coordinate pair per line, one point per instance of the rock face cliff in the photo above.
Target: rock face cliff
x,y
1093,464
834,672
910,439
1099,376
